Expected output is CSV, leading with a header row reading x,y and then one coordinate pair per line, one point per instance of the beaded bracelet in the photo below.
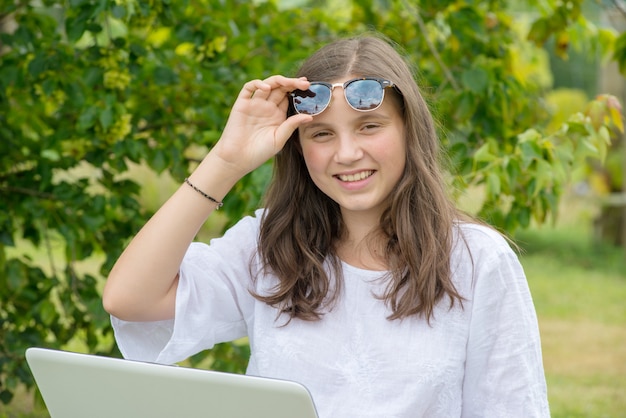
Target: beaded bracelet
x,y
217,202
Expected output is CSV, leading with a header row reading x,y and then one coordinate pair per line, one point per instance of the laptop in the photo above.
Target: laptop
x,y
77,385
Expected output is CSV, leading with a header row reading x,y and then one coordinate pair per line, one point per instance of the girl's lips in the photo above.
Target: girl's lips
x,y
353,177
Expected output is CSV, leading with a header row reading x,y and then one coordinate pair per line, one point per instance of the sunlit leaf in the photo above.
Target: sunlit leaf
x,y
493,184
159,36
483,154
185,48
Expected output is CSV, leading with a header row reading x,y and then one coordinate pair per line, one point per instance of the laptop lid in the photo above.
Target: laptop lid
x,y
81,385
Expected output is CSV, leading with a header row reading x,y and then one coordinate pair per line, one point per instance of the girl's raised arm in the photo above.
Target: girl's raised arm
x,y
142,284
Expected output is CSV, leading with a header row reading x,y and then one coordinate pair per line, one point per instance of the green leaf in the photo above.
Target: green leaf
x,y
119,42
37,65
75,95
475,79
14,274
93,76
22,36
6,396
101,5
544,175
159,161
93,27
75,27
465,108
493,184
106,118
137,49
619,53
48,312
530,152
50,154
524,216
483,154
87,118
164,76
118,11
8,74
539,31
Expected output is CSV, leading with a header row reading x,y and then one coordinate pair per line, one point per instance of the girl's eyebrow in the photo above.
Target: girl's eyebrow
x,y
365,116
314,125
374,115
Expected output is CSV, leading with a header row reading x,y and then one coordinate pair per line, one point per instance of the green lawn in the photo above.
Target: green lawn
x,y
579,289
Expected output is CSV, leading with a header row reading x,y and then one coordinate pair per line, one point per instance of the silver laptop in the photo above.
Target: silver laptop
x,y
86,386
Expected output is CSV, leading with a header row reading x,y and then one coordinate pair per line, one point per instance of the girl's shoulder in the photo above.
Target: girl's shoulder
x,y
478,237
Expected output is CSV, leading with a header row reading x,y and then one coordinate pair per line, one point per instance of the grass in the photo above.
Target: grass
x,y
579,290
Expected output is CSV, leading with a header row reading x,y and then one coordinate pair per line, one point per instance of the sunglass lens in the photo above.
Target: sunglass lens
x,y
364,94
311,101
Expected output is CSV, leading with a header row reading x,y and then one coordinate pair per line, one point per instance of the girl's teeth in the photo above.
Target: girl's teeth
x,y
355,177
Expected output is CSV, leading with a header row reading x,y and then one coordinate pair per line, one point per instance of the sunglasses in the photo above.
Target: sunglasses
x,y
362,94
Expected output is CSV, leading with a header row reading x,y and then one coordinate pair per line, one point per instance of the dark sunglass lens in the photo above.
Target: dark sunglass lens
x,y
311,101
364,94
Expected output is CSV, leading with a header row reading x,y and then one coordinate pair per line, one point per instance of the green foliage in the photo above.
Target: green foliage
x,y
619,54
226,357
564,102
87,87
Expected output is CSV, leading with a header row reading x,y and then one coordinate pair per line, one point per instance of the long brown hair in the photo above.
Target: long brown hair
x,y
301,224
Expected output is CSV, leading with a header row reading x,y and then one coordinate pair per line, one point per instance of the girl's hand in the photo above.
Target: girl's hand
x,y
258,127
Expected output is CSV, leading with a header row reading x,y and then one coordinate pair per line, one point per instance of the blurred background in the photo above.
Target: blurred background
x,y
107,105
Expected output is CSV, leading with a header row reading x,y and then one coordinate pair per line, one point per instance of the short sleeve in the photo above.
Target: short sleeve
x,y
504,374
213,301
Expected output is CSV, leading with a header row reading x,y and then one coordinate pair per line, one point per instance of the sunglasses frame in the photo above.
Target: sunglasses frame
x,y
384,83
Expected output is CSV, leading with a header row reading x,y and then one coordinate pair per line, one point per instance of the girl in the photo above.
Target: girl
x,y
359,279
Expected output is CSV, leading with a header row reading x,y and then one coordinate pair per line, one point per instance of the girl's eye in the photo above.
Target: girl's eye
x,y
370,126
320,135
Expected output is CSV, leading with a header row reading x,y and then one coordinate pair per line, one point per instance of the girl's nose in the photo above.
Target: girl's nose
x,y
348,149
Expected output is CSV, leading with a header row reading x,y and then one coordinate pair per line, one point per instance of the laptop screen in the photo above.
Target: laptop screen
x,y
77,385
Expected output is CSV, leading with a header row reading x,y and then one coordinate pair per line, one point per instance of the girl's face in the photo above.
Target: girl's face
x,y
355,158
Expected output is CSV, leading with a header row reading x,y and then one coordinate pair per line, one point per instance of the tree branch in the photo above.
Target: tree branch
x,y
620,7
420,22
158,125
46,238
28,192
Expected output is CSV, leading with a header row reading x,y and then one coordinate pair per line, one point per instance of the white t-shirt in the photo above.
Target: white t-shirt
x,y
479,360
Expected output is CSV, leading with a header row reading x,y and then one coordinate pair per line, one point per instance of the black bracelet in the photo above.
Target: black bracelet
x,y
217,202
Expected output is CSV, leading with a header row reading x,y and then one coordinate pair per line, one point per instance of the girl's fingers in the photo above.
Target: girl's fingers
x,y
250,89
288,83
281,86
262,93
273,89
258,122
284,131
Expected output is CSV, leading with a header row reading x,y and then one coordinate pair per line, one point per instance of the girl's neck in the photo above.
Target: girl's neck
x,y
359,225
363,245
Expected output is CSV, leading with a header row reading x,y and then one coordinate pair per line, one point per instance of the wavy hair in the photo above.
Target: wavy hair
x,y
301,225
